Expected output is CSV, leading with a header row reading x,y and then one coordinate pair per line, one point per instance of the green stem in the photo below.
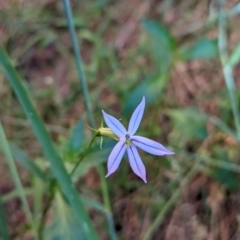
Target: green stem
x,y
13,169
79,62
86,98
84,154
171,202
227,69
49,149
111,225
104,189
52,188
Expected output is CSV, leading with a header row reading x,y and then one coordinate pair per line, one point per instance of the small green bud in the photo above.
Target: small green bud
x,y
107,132
104,132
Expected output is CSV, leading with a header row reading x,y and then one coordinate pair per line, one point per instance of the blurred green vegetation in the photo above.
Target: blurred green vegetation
x,y
175,54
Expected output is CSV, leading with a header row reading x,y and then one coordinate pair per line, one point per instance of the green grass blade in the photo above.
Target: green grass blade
x,y
111,227
94,204
44,139
13,169
78,61
227,68
14,194
38,198
27,163
219,123
3,223
83,84
235,56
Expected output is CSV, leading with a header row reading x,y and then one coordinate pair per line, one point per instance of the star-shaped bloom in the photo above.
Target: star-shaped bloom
x,y
129,142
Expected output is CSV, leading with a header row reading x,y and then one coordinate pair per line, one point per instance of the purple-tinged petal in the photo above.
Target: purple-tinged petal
x,y
115,157
136,163
136,117
114,125
150,146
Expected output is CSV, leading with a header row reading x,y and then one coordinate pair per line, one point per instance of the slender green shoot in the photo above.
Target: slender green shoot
x,y
17,181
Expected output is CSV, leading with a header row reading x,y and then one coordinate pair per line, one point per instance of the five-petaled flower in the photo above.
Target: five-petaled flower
x,y
128,141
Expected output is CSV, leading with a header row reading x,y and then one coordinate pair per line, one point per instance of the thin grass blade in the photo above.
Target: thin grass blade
x,y
27,163
49,149
3,223
17,181
227,68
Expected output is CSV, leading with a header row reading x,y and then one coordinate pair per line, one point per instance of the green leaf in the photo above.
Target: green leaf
x,y
160,34
93,159
189,122
65,225
223,126
48,38
21,157
225,177
93,204
235,56
203,49
77,137
151,88
163,44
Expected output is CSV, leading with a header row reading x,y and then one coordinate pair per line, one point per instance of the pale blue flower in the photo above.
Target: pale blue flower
x,y
129,142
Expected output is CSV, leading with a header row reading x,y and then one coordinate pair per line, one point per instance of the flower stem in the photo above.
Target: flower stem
x,y
83,155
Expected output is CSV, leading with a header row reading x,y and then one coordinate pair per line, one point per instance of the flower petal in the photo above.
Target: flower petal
x,y
136,163
150,146
115,157
114,125
136,117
